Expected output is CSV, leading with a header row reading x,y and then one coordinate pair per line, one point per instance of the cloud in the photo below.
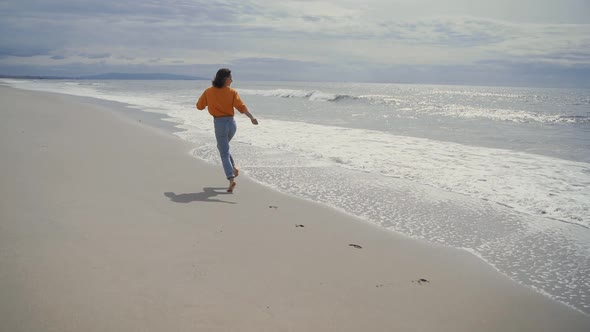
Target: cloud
x,y
127,58
95,55
276,69
447,32
25,52
296,39
222,10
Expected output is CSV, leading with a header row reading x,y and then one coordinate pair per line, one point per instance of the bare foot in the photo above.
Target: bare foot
x,y
231,187
236,172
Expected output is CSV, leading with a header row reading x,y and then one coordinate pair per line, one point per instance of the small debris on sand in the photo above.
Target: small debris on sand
x,y
421,281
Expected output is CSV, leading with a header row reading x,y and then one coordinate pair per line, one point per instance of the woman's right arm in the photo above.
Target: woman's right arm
x,y
252,118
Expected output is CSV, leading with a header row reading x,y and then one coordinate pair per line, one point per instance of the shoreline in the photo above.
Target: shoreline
x,y
323,242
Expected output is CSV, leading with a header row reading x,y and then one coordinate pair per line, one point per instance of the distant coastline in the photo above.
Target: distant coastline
x,y
110,76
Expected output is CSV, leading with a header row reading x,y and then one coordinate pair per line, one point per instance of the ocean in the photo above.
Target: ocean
x,y
501,172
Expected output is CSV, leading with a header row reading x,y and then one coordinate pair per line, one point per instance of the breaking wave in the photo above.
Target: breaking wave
x,y
287,93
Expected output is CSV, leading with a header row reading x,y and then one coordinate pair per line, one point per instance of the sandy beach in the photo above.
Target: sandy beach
x,y
109,224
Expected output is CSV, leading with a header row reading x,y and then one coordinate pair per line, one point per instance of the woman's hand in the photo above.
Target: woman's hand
x,y
252,118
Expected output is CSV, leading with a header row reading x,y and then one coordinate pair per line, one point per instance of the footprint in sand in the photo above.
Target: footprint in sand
x,y
421,281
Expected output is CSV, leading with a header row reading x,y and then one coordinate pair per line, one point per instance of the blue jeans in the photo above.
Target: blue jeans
x,y
225,129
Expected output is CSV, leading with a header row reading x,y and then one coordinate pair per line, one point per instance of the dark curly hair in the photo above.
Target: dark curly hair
x,y
219,80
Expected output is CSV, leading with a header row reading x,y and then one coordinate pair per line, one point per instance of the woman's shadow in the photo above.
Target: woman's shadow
x,y
204,196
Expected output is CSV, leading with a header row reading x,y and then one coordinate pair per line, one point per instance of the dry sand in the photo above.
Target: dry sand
x,y
107,224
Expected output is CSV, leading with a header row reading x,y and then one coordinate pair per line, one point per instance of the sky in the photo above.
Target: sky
x,y
492,42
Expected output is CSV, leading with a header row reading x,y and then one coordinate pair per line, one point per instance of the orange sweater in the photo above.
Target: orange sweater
x,y
221,101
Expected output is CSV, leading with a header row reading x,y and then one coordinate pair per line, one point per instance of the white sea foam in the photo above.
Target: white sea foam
x,y
534,184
